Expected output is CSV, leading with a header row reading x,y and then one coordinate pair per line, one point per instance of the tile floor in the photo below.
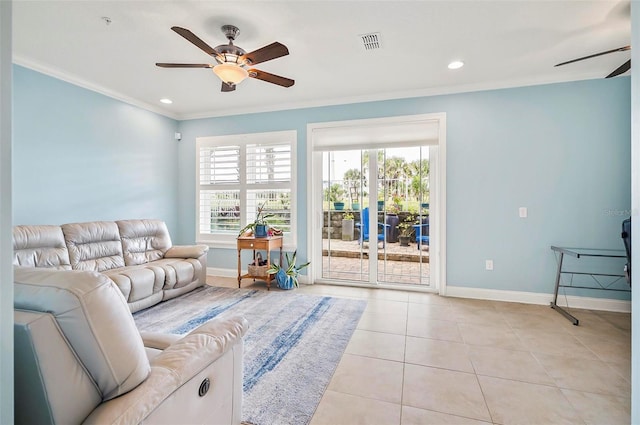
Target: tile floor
x,y
418,358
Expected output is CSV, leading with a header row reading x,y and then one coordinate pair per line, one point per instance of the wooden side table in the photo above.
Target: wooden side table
x,y
258,244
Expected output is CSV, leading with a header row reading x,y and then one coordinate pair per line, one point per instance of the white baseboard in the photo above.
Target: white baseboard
x,y
215,271
589,303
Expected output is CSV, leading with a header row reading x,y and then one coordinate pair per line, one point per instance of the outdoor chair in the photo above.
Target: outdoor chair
x,y
422,234
364,228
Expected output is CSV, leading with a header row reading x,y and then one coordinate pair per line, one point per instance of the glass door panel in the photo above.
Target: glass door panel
x,y
345,191
395,233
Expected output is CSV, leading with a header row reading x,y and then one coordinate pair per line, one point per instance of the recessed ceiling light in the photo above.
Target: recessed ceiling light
x,y
167,101
456,65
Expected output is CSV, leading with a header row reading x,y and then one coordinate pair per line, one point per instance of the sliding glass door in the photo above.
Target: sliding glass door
x,y
375,205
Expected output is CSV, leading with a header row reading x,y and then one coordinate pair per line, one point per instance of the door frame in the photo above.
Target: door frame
x,y
437,177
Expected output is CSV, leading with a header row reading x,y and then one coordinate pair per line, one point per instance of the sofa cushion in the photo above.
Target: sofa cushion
x,y
137,282
93,246
94,318
40,246
143,241
178,272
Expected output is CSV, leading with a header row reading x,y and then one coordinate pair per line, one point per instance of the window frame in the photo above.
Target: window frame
x,y
227,240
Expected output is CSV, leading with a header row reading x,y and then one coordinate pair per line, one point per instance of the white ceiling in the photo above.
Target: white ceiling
x,y
503,44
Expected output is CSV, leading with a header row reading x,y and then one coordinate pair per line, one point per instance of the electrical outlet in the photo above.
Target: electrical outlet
x,y
522,212
488,264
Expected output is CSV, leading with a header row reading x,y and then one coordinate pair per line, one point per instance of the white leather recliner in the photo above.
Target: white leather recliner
x,y
79,358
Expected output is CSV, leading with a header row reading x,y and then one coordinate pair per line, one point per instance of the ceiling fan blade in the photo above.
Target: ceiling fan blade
x,y
266,53
194,39
621,69
271,78
184,65
228,87
619,49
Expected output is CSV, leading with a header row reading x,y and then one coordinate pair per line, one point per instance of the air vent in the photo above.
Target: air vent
x,y
371,41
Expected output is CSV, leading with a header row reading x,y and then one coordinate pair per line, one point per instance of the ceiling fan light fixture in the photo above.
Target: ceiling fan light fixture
x,y
230,73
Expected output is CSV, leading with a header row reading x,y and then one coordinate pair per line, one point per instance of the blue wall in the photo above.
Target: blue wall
x,y
82,156
561,150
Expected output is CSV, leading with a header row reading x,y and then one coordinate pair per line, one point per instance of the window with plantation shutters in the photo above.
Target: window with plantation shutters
x,y
239,174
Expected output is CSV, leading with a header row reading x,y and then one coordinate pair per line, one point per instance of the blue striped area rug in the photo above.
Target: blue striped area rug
x,y
291,349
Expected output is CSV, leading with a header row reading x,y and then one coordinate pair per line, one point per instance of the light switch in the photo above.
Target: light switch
x,y
523,212
488,264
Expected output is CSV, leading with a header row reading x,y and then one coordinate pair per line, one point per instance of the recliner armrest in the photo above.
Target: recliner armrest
x,y
171,370
159,341
186,251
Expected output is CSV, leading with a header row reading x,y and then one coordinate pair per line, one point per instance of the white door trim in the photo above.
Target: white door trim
x,y
314,200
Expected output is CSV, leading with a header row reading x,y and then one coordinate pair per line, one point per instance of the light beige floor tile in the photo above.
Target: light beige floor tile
x,y
447,391
558,343
597,409
436,353
608,350
386,307
431,311
509,364
435,329
338,408
546,320
389,294
478,315
383,322
427,298
493,336
377,344
368,377
514,402
521,308
415,416
622,368
471,302
620,320
584,375
592,324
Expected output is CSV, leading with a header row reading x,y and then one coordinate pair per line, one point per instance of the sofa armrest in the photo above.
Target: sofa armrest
x,y
172,372
186,251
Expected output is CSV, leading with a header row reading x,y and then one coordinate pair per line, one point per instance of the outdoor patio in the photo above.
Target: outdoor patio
x,y
396,264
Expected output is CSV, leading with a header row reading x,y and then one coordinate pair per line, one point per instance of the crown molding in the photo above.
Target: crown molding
x,y
77,81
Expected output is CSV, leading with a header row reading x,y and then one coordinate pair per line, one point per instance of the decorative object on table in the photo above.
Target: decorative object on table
x,y
259,227
258,267
406,229
287,278
347,226
287,329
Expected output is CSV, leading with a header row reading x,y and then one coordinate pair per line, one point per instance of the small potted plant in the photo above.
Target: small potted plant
x,y
287,277
406,230
347,226
259,227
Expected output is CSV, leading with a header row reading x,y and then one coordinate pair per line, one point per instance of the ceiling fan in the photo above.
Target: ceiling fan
x,y
619,70
233,63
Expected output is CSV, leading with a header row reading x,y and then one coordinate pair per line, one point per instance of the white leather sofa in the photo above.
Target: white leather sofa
x,y
136,254
80,359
